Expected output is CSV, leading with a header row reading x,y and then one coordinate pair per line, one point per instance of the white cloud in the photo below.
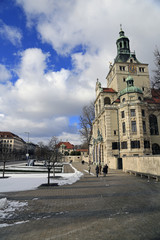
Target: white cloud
x,y
10,33
95,24
70,137
41,101
5,74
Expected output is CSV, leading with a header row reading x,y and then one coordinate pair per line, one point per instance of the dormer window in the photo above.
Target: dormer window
x,y
131,60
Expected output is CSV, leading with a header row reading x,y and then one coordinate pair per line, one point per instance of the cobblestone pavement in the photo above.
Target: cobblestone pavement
x,y
116,207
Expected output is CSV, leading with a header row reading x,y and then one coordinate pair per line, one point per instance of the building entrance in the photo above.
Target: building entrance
x,y
120,163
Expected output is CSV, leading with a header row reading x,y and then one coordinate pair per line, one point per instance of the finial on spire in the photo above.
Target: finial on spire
x,y
120,27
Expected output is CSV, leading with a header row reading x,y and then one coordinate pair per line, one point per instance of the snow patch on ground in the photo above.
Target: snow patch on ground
x,y
88,172
70,178
8,208
8,225
30,181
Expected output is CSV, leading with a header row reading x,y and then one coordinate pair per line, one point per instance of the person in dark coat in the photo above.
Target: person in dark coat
x,y
100,168
89,168
97,170
105,170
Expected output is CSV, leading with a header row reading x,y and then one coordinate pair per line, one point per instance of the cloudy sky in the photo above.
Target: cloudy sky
x,y
52,52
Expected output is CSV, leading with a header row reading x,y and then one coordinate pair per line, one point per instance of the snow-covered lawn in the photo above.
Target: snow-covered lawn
x,y
22,182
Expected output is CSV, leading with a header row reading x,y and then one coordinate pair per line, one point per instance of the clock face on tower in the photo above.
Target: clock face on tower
x,y
132,68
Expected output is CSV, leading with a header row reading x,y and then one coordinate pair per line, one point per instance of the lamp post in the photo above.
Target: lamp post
x,y
27,154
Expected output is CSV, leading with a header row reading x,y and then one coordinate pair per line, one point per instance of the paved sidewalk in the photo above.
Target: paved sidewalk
x,y
116,207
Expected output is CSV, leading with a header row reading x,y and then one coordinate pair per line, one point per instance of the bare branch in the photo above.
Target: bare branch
x,y
86,120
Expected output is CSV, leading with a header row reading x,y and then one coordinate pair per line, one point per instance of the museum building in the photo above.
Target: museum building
x,y
127,112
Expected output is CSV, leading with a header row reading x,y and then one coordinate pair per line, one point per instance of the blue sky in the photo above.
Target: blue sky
x,y
52,52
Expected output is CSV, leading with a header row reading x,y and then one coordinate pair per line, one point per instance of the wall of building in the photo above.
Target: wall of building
x,y
112,163
76,158
146,164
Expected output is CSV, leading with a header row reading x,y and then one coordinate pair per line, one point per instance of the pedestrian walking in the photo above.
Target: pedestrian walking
x,y
97,170
100,168
105,170
89,168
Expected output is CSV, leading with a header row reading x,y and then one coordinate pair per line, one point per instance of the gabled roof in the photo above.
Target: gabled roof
x,y
67,144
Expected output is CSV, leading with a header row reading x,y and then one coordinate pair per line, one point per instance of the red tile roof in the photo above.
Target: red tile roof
x,y
67,144
82,150
155,97
9,135
109,90
117,100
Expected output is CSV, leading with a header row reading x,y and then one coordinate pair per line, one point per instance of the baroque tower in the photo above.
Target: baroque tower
x,y
127,112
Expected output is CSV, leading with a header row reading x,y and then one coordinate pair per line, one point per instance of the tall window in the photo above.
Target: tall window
x,y
153,125
133,112
122,114
155,149
143,113
144,126
133,125
123,127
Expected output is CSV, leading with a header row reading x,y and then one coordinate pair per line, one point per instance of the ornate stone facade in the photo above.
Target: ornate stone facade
x,y
127,112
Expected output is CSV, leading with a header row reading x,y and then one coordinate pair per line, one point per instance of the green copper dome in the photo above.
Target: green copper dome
x,y
130,87
123,48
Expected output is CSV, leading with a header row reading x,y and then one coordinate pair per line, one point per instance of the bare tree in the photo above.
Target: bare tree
x,y
86,120
156,77
5,156
42,151
55,155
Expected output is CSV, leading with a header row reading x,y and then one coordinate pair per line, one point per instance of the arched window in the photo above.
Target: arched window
x,y
155,148
153,125
107,100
